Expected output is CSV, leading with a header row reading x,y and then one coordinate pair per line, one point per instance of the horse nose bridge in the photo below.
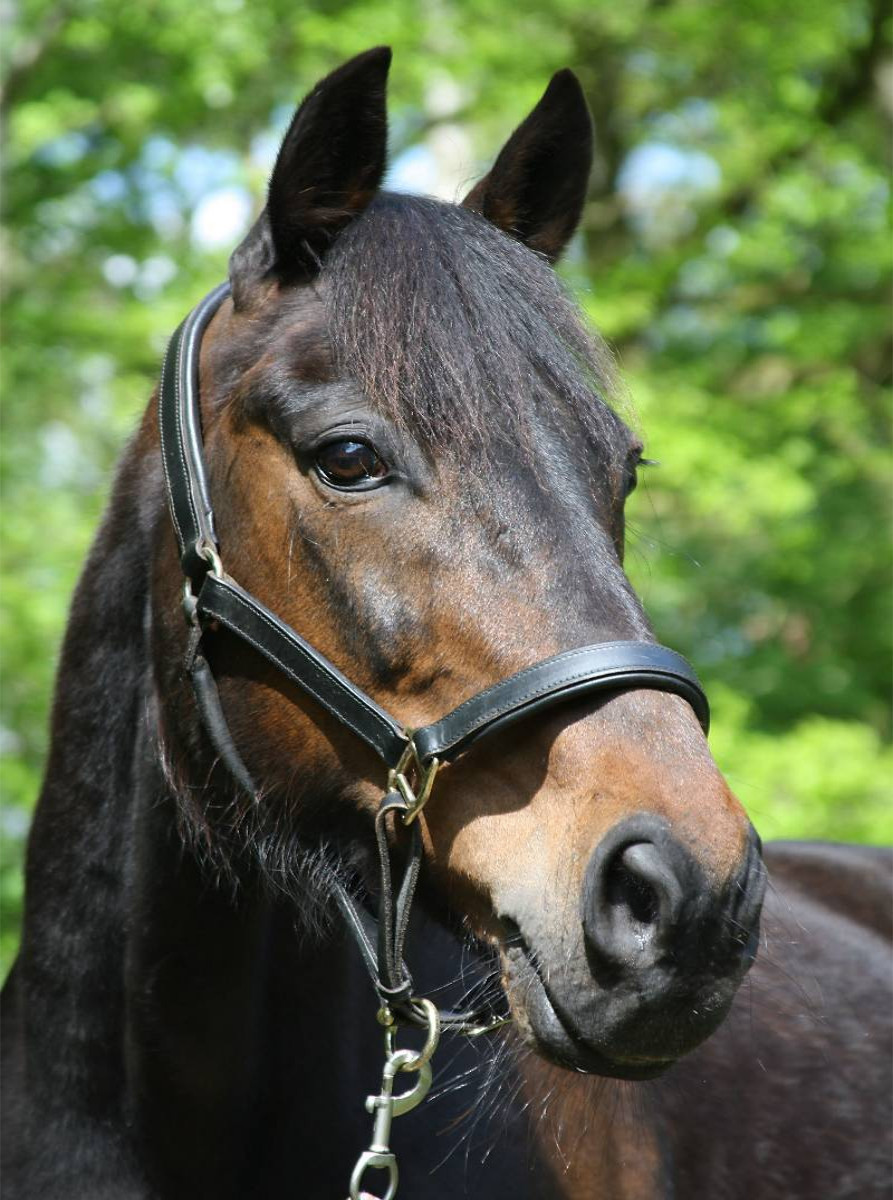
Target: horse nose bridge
x,y
644,752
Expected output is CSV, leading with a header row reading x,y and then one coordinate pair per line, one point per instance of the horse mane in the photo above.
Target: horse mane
x,y
67,988
459,332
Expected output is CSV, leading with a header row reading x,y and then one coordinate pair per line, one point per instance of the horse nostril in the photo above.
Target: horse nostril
x,y
648,909
624,888
654,869
633,896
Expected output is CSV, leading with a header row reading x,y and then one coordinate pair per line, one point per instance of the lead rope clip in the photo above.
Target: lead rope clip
x,y
385,1106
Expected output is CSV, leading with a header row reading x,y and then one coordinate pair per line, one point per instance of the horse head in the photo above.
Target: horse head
x,y
413,462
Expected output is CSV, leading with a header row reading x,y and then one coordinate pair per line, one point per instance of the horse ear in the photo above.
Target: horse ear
x,y
537,186
329,167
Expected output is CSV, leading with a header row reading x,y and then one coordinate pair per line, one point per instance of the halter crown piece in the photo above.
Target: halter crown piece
x,y
412,757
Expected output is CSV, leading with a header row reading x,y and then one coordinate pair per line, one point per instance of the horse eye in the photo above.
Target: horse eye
x,y
349,464
631,474
631,477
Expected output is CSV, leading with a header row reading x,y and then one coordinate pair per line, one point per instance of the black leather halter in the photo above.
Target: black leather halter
x,y
412,756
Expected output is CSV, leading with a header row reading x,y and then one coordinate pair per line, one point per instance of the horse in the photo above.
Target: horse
x,y
383,474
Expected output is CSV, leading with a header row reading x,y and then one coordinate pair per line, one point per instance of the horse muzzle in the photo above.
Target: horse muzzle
x,y
658,957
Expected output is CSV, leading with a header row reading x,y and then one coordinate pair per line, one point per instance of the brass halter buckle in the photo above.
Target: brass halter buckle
x,y
412,779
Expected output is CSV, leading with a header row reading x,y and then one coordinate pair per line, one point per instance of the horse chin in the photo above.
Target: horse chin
x,y
551,1031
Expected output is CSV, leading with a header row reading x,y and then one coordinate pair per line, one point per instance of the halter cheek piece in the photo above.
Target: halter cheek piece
x,y
213,599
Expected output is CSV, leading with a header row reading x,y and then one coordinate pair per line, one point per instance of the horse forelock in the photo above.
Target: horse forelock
x,y
459,333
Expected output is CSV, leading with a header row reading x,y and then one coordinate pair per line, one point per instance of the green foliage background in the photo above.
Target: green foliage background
x,y
735,249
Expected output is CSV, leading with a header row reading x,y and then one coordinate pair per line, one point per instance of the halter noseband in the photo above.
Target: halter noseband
x,y
411,756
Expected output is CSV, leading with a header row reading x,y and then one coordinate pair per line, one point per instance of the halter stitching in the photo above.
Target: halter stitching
x,y
544,688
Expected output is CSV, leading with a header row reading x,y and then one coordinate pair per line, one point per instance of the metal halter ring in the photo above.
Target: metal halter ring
x,y
419,1058
206,550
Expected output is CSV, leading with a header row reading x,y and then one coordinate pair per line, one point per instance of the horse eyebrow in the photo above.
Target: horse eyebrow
x,y
291,402
309,354
297,357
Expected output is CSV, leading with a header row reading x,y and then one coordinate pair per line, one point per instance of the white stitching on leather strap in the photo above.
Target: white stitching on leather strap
x,y
566,656
161,426
543,690
178,425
